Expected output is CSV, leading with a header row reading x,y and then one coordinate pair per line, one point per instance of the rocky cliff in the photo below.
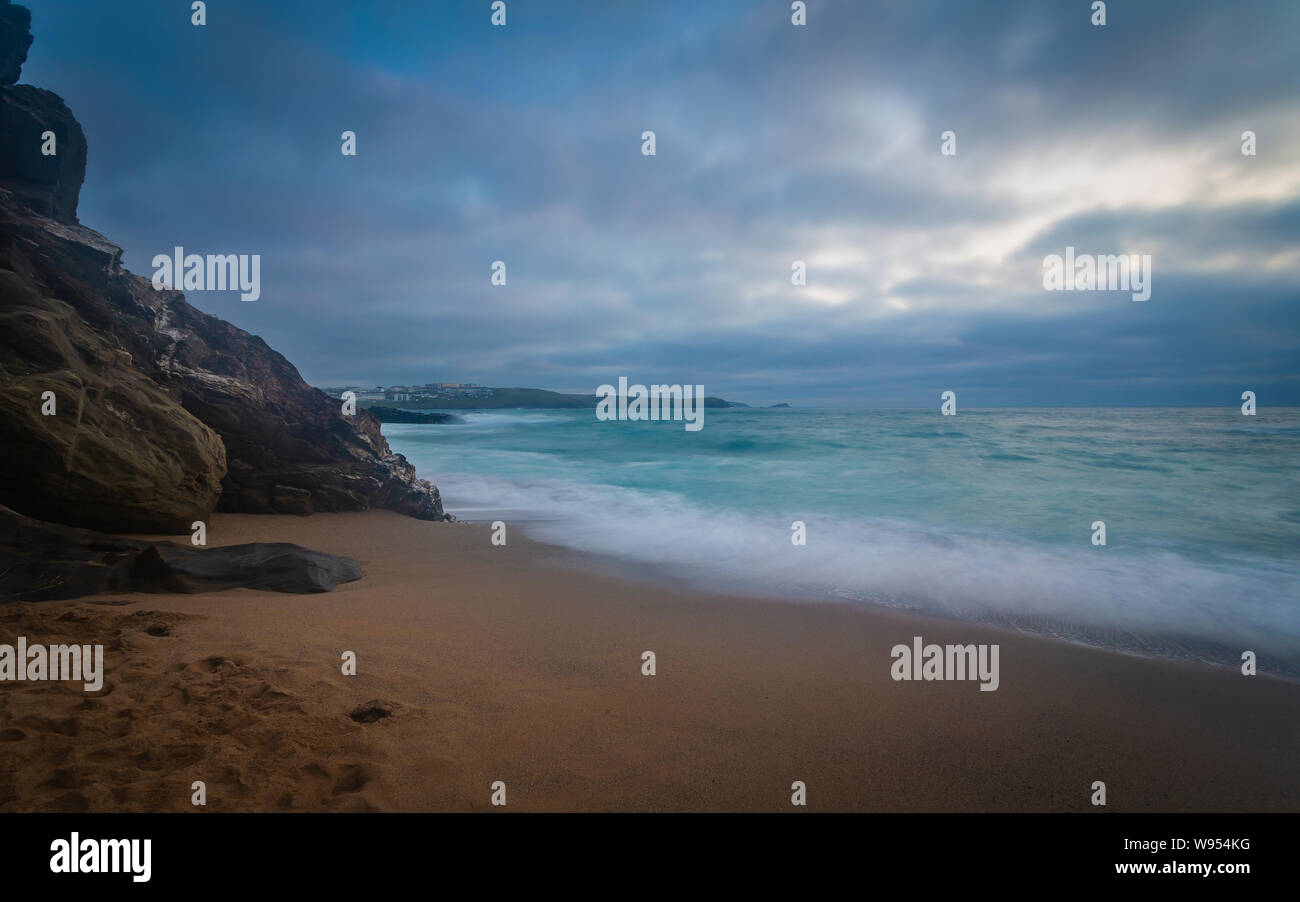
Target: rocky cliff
x,y
46,183
125,409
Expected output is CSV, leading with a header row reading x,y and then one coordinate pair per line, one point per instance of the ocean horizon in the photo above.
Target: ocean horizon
x,y
987,516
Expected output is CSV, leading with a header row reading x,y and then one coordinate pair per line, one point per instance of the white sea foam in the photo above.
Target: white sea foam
x,y
1108,596
988,518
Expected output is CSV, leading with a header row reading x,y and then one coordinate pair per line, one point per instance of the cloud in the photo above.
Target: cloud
x,y
775,144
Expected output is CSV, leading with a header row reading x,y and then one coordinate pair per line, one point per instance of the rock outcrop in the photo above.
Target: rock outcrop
x,y
289,447
15,38
160,413
34,122
43,562
86,437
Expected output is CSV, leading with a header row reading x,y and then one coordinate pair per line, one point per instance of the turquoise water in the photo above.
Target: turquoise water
x,y
986,515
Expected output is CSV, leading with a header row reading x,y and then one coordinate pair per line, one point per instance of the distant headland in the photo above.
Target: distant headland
x,y
469,396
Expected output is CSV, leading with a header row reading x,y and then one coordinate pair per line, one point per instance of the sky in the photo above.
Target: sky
x,y
775,143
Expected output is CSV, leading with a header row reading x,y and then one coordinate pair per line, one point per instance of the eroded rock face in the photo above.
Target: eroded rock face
x,y
163,413
117,453
48,184
290,449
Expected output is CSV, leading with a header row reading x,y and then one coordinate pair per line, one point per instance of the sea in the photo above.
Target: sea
x,y
989,515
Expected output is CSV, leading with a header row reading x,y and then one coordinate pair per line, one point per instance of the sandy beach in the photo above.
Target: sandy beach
x,y
478,663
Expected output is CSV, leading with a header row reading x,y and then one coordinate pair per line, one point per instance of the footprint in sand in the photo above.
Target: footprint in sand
x,y
373,710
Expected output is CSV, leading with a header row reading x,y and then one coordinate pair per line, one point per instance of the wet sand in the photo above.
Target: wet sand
x,y
522,664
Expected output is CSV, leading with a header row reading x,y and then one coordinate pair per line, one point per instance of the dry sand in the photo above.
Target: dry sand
x,y
523,664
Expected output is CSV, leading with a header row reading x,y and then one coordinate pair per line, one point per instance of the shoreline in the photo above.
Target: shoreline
x,y
522,663
1158,646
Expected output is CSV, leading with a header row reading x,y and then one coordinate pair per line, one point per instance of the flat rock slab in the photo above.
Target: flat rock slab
x,y
277,566
44,561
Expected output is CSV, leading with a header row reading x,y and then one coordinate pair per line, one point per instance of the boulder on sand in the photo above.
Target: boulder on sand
x,y
45,561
